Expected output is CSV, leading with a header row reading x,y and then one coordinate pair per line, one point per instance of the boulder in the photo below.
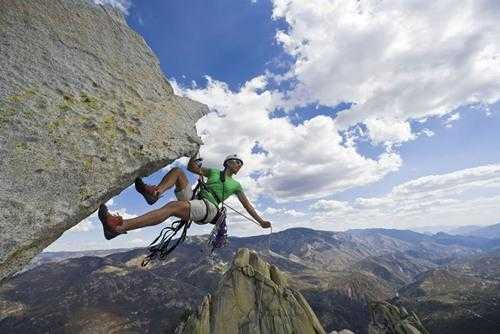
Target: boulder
x,y
391,319
253,298
84,109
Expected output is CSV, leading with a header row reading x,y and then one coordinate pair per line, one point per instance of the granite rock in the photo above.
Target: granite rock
x,y
253,298
391,319
84,109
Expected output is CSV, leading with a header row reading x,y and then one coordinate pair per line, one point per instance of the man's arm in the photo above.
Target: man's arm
x,y
193,167
246,204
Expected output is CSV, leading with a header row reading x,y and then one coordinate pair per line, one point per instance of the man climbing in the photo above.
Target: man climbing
x,y
201,210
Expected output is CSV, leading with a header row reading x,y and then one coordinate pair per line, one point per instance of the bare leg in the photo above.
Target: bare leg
x,y
175,208
174,176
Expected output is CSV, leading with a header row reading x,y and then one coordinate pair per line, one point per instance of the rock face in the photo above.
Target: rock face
x,y
390,319
254,298
84,109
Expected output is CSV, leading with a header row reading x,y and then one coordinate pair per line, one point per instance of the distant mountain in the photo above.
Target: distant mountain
x,y
490,232
463,230
453,229
337,272
467,241
485,265
450,301
46,257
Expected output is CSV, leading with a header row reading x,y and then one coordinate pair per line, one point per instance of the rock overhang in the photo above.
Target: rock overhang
x,y
84,109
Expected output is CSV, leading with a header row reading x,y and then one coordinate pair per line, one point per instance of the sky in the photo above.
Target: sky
x,y
347,114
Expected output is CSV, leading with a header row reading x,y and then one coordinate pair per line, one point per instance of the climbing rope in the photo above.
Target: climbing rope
x,y
255,222
163,248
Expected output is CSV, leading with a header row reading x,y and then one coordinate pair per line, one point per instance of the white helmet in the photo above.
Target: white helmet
x,y
232,157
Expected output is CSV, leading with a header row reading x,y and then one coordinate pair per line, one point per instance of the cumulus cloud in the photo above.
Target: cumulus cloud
x,y
295,162
284,212
387,132
85,225
331,205
123,5
427,132
453,118
447,199
395,60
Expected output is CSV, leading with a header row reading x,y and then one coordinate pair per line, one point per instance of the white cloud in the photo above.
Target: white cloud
x,y
284,212
138,241
427,132
331,205
123,5
302,162
388,132
463,197
124,213
453,118
396,60
85,225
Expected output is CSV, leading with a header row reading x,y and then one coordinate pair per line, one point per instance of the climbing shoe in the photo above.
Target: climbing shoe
x,y
150,193
109,222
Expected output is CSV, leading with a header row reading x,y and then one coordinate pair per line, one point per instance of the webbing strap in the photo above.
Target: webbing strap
x,y
214,194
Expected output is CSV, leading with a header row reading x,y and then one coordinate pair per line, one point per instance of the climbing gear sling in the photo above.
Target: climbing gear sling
x,y
163,245
218,236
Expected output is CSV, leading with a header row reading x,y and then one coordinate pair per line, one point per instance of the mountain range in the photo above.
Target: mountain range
x,y
338,273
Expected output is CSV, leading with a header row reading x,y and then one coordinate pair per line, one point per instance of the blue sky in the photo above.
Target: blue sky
x,y
362,118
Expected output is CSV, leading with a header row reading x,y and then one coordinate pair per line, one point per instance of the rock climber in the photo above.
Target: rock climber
x,y
201,210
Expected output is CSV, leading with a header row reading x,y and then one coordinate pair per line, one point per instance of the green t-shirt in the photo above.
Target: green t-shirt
x,y
214,183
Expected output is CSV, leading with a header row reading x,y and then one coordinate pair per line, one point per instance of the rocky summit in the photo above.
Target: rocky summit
x,y
253,298
390,319
84,109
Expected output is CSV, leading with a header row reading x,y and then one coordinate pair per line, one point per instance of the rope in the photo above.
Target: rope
x,y
241,214
163,248
255,222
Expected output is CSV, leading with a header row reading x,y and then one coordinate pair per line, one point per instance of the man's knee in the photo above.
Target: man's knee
x,y
181,180
180,208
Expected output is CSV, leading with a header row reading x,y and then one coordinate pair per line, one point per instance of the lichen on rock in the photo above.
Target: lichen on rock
x,y
253,298
84,109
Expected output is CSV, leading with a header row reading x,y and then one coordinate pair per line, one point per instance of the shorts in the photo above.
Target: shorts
x,y
198,207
